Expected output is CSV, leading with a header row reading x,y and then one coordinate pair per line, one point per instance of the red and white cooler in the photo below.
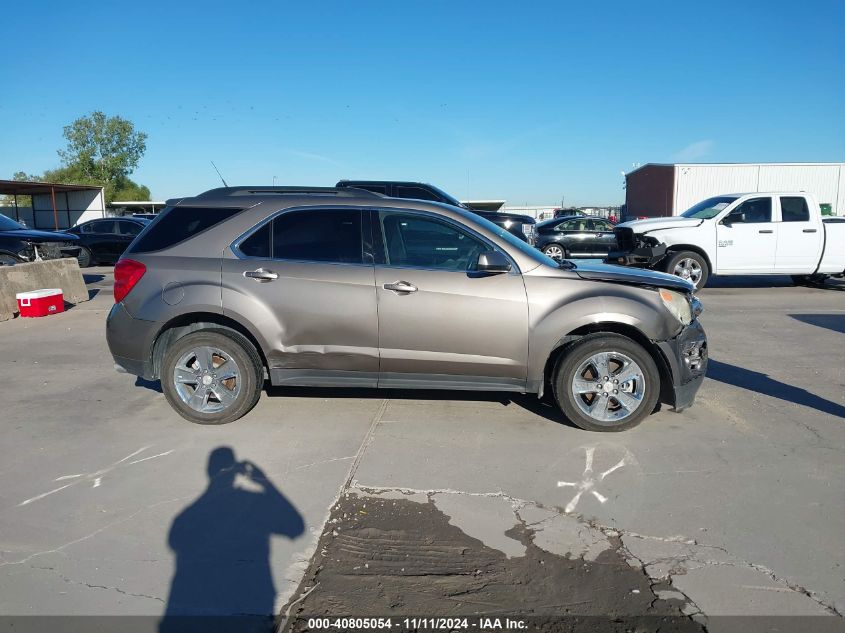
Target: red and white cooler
x,y
39,303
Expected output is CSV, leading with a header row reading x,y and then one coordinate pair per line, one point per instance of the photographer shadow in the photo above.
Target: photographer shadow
x,y
223,579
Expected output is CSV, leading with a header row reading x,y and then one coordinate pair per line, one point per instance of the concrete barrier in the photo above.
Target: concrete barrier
x,y
55,273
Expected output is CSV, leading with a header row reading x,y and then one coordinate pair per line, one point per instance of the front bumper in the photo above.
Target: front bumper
x,y
647,256
686,357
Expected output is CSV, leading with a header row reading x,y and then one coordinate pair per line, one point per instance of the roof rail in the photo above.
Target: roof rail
x,y
346,192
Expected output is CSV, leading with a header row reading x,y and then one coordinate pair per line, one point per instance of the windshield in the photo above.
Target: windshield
x,y
7,224
709,208
449,199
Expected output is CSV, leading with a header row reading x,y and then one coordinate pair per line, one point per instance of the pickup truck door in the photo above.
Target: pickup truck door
x,y
439,320
800,237
749,245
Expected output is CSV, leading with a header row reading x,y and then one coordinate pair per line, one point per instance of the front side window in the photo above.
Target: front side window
x,y
794,209
756,210
129,228
422,242
318,235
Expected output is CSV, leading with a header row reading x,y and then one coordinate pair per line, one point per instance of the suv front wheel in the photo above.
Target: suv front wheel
x,y
212,376
606,382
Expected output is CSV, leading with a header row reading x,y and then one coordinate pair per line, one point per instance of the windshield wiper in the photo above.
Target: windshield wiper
x,y
567,264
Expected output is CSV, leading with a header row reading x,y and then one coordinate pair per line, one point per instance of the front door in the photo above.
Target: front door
x,y
439,320
303,278
747,246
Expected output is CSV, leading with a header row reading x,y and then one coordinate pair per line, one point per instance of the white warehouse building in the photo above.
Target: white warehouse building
x,y
655,190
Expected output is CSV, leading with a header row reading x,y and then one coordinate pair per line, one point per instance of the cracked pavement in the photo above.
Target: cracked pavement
x,y
732,507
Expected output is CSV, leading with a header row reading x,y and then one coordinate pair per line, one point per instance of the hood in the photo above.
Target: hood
x,y
33,235
654,224
634,276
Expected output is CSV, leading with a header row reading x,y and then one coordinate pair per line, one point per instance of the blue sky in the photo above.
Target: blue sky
x,y
522,101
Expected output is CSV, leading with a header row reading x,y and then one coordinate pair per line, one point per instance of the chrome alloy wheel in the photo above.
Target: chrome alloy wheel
x,y
555,252
608,387
207,379
688,269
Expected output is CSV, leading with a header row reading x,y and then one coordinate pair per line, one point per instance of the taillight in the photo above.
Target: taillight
x,y
127,273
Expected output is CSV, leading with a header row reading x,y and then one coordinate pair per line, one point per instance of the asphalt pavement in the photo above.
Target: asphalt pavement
x,y
110,503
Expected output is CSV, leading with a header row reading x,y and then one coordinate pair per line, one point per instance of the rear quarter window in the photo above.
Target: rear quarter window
x,y
178,224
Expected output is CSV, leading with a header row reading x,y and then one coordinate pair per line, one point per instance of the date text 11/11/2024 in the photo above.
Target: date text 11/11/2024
x,y
418,623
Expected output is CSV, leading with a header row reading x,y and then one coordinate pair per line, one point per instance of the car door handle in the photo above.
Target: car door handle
x,y
261,275
400,286
809,230
765,231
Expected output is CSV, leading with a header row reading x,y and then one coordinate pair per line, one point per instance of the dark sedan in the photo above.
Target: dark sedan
x,y
575,236
103,241
18,244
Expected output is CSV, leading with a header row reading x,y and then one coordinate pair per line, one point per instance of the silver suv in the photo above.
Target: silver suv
x,y
346,288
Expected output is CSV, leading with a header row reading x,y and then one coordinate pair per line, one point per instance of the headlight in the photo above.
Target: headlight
x,y
678,305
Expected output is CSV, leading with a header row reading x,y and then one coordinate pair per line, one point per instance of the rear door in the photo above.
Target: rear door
x,y
440,322
305,279
800,238
104,240
749,246
603,239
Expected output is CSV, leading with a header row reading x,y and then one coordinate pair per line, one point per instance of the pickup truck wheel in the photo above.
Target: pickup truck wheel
x,y
556,252
212,376
689,265
606,382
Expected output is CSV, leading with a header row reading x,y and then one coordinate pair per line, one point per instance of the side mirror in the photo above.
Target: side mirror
x,y
734,216
492,262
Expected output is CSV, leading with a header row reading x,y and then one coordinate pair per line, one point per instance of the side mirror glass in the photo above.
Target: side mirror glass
x,y
492,262
734,216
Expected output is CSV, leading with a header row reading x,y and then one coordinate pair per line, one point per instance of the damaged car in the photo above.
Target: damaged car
x,y
738,234
340,287
19,244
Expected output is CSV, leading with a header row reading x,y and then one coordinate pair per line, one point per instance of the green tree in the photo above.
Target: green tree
x,y
101,150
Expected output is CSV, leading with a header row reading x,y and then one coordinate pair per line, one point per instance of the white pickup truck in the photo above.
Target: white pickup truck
x,y
738,234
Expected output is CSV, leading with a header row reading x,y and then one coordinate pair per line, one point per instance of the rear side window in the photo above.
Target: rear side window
x,y
414,193
180,223
316,235
106,226
794,209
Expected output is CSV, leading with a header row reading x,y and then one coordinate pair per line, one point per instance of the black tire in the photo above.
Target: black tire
x,y
7,260
235,346
578,353
675,259
547,247
85,258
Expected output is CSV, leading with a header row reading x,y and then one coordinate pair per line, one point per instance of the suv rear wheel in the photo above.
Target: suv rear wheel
x,y
212,376
606,382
